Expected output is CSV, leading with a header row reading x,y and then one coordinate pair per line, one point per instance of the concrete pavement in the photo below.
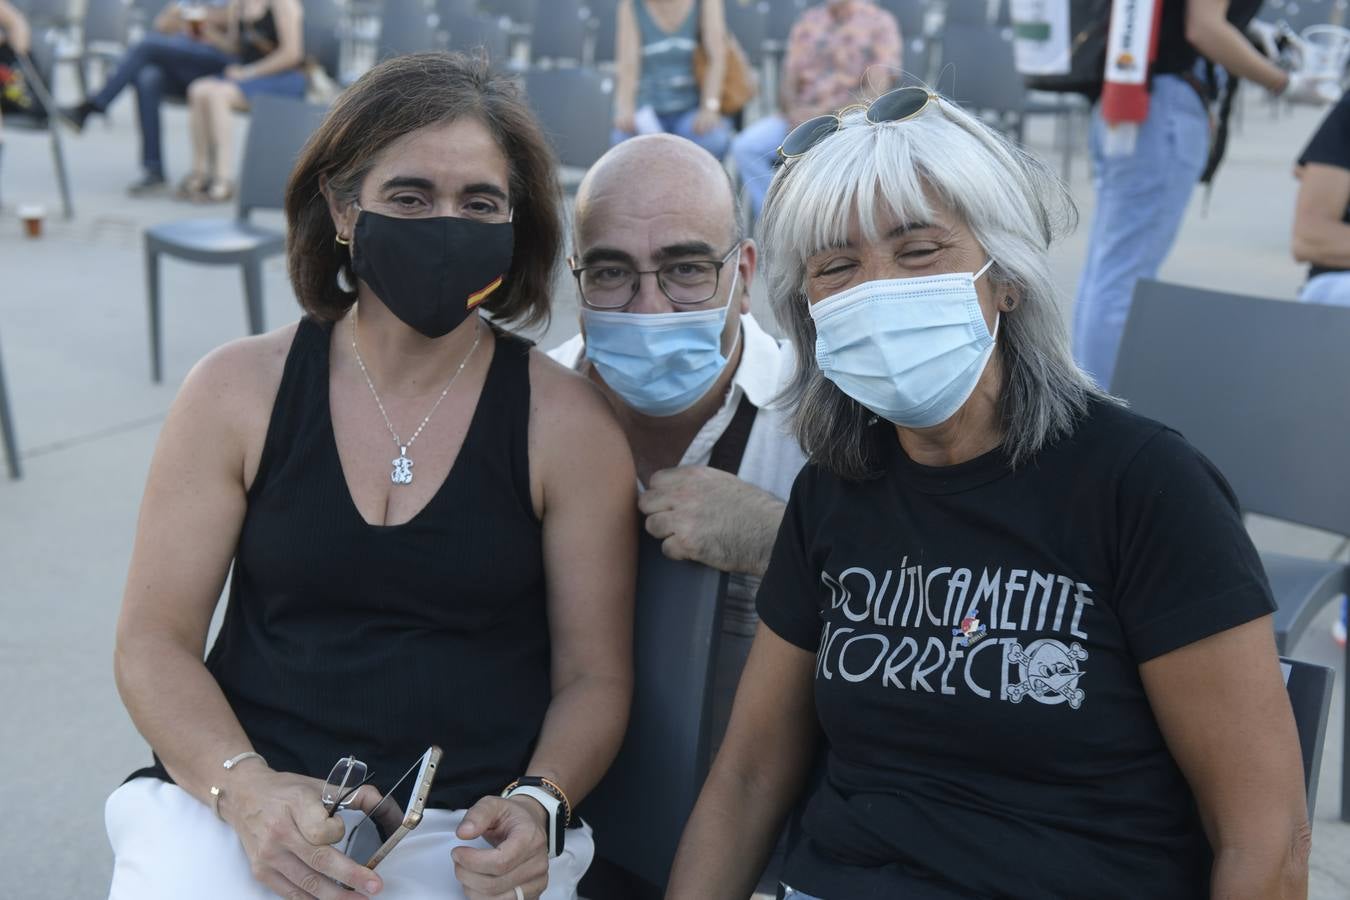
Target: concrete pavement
x,y
72,326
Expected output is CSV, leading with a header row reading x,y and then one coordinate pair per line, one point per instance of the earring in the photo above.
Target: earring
x,y
1009,304
344,281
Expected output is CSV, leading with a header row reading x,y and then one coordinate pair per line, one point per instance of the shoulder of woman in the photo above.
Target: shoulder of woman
x,y
236,383
561,393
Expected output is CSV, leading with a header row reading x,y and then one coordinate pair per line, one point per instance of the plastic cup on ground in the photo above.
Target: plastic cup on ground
x,y
33,215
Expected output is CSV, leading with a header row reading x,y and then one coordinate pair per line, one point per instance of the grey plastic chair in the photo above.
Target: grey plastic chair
x,y
478,33
278,129
103,38
1310,688
43,13
42,54
604,24
977,62
323,35
749,21
575,106
911,16
7,430
519,11
668,744
967,12
407,26
780,16
561,30
1261,387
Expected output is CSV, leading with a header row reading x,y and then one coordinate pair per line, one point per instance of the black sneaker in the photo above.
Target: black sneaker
x,y
151,183
76,115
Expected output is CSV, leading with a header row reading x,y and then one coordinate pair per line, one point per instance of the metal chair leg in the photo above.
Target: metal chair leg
x,y
7,430
253,295
63,180
153,309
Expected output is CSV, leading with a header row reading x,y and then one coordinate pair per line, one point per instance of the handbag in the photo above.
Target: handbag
x,y
739,83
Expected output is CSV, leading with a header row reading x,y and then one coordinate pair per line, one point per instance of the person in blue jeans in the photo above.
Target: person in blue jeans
x,y
1142,190
656,89
163,64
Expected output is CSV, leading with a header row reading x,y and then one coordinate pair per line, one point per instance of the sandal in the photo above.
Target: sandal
x,y
192,187
221,191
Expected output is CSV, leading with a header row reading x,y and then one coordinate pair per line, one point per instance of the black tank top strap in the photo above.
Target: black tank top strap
x,y
507,388
306,368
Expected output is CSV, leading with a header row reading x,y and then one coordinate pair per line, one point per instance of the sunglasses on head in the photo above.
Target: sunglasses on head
x,y
899,105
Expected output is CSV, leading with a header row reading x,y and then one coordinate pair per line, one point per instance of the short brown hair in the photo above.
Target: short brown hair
x,y
398,97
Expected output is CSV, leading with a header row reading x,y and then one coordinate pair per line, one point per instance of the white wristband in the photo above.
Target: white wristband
x,y
550,804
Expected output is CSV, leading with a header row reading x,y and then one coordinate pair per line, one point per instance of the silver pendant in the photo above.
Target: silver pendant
x,y
402,473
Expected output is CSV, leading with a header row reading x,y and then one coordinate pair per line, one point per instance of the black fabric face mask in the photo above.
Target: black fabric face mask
x,y
431,273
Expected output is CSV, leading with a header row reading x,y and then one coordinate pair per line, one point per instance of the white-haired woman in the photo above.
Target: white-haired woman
x,y
1025,627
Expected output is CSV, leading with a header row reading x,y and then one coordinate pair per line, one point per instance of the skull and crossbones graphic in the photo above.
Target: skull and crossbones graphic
x,y
1048,671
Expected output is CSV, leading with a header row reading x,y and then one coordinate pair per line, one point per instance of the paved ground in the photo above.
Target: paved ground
x,y
72,323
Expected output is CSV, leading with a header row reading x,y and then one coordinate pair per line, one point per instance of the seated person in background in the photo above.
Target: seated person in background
x,y
270,38
667,336
15,38
481,601
188,43
656,89
1322,228
839,52
1028,622
1322,215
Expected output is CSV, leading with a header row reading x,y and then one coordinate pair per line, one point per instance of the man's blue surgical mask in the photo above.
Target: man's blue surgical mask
x,y
909,349
660,364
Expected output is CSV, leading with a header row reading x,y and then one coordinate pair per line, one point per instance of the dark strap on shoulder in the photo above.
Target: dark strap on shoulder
x,y
730,447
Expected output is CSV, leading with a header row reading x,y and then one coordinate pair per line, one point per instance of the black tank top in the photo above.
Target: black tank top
x,y
343,637
258,38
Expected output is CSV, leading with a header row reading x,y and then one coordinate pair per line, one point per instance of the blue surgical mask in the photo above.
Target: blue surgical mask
x,y
909,349
660,364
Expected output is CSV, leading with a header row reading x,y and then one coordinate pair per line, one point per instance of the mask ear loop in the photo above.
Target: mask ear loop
x,y
731,297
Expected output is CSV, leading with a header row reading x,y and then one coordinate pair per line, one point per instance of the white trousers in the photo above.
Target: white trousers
x,y
167,845
1331,288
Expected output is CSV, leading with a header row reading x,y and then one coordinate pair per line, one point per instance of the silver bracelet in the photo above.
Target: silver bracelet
x,y
216,791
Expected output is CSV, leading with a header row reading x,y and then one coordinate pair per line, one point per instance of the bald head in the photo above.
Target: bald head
x,y
653,176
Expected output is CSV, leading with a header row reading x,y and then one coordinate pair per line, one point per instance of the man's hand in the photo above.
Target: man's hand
x,y
712,517
518,834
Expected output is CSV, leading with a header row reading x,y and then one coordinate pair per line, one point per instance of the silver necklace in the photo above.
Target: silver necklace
x,y
402,472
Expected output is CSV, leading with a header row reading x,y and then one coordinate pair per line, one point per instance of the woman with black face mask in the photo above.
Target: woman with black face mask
x,y
428,527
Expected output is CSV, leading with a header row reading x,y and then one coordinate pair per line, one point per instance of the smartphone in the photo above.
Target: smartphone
x,y
397,813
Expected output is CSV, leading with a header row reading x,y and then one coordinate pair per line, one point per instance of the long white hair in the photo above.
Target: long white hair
x,y
1012,205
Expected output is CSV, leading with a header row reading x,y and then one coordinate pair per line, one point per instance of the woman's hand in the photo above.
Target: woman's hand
x,y
517,829
626,121
286,833
235,72
706,121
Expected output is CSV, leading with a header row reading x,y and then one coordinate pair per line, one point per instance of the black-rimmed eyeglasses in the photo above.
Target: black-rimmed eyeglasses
x,y
687,282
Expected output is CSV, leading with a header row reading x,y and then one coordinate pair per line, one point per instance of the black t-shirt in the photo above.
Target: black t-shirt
x,y
1330,146
978,631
